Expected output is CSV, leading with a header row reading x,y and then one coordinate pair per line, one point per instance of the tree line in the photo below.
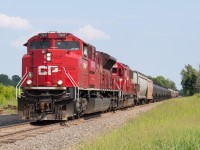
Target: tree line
x,y
163,82
190,80
5,80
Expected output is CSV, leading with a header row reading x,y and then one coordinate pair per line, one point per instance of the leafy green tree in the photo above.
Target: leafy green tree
x,y
197,84
189,78
15,80
181,92
4,79
160,80
150,77
170,84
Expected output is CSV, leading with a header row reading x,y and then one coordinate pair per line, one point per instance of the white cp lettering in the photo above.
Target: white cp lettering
x,y
47,70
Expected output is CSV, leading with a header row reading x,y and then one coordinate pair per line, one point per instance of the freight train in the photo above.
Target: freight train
x,y
64,77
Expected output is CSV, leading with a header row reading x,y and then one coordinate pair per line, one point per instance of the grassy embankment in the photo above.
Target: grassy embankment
x,y
7,97
175,124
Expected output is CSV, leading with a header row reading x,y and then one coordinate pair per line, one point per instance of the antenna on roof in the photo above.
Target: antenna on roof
x,y
52,31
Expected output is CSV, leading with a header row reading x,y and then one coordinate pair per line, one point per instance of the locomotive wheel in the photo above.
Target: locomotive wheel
x,y
63,123
81,106
78,116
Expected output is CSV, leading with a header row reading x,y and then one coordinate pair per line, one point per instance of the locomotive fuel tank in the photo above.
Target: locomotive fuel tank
x,y
97,105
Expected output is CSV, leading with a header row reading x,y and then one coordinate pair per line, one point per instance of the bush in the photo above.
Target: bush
x,y
197,95
9,92
2,100
2,87
7,95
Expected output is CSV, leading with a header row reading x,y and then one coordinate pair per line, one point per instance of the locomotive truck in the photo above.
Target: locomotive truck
x,y
64,77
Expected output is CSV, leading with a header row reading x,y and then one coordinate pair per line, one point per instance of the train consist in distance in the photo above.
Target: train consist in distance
x,y
64,77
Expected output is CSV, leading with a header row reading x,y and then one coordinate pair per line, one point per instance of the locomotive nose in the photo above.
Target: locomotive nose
x,y
47,69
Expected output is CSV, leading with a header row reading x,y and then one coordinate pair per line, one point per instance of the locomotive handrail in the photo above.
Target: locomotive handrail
x,y
70,78
117,86
21,81
73,83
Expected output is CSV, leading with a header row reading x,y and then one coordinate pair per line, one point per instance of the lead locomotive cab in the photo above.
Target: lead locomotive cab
x,y
63,77
47,69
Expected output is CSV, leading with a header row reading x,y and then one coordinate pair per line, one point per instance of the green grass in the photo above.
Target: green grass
x,y
173,125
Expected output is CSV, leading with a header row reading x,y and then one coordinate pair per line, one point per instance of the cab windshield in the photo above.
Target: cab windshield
x,y
39,45
68,45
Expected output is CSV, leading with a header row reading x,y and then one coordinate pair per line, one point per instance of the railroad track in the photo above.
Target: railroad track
x,y
1,111
15,132
10,119
12,133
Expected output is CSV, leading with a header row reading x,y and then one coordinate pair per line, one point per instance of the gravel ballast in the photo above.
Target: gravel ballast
x,y
68,137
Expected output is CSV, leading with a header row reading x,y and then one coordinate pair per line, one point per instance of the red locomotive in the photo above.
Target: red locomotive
x,y
64,77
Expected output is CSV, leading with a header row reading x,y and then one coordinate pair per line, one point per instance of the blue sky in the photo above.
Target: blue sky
x,y
155,37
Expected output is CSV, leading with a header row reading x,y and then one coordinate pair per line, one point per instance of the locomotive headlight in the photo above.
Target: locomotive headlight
x,y
48,56
60,82
29,82
48,59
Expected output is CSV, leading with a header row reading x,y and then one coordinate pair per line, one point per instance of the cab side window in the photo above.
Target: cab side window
x,y
114,70
85,51
91,52
121,72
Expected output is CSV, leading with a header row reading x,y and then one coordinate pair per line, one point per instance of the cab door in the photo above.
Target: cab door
x,y
92,66
84,69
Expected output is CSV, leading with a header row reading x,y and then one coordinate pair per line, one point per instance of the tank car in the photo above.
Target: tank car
x,y
160,93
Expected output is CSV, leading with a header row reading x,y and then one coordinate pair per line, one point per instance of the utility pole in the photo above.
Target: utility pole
x,y
198,81
199,68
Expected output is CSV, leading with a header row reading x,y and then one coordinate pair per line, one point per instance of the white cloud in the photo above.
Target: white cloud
x,y
18,43
89,33
13,22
